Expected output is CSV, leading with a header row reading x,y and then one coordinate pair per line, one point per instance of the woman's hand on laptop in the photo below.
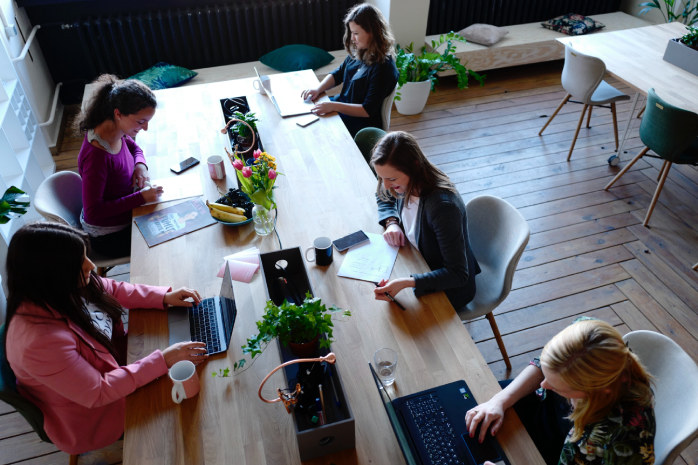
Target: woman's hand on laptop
x,y
176,298
322,108
488,415
312,93
195,352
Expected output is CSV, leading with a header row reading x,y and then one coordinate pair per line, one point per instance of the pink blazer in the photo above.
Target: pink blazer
x,y
72,378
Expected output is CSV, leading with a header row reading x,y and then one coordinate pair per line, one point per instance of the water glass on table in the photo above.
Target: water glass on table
x,y
386,364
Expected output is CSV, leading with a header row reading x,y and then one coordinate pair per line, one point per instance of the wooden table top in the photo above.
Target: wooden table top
x,y
635,56
328,190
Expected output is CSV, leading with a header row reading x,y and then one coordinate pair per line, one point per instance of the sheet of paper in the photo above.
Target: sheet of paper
x,y
371,261
178,187
242,265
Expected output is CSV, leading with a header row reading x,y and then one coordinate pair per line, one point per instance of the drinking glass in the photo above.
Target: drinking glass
x,y
386,364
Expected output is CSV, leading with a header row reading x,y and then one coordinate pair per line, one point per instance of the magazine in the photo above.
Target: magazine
x,y
175,221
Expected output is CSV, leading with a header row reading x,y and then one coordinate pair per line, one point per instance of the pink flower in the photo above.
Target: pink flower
x,y
272,174
256,154
247,172
237,164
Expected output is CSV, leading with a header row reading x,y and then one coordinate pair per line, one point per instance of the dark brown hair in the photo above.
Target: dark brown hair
x,y
110,93
44,268
401,151
370,19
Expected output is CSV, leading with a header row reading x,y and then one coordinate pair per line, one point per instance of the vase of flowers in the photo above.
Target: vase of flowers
x,y
257,181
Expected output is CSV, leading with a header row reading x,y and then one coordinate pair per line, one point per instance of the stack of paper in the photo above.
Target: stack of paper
x,y
243,265
372,261
178,187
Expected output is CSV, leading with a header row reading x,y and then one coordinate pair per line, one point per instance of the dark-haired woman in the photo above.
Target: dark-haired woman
x,y
417,203
369,73
112,165
65,340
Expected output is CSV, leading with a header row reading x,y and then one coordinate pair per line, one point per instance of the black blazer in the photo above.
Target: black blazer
x,y
442,237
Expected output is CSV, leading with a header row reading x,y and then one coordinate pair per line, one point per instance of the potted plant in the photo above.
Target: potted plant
x,y
683,52
418,73
14,203
298,326
687,15
242,132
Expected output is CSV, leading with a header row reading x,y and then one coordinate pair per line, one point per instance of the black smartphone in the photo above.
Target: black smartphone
x,y
185,165
351,240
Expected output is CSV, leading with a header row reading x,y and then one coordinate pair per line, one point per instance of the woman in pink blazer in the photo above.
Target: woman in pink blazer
x,y
65,339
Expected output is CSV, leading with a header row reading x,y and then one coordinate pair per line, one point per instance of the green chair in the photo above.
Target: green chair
x,y
10,395
366,139
672,134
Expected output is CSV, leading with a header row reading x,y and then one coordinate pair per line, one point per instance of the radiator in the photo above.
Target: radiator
x,y
209,36
454,15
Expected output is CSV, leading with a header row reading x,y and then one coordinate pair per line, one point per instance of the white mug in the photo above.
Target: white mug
x,y
185,381
258,87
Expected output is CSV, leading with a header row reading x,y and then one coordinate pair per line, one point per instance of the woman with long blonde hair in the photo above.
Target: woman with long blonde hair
x,y
594,405
369,73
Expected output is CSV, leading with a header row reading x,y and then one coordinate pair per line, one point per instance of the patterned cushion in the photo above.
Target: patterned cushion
x,y
164,76
573,25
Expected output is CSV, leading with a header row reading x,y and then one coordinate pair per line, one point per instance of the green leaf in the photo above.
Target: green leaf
x,y
213,374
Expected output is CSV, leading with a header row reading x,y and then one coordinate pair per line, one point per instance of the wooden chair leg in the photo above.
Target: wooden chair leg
x,y
579,126
589,117
73,460
564,100
615,123
627,167
641,111
102,271
498,337
662,170
695,267
656,193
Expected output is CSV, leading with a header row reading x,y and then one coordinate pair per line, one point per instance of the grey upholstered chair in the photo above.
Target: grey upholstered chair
x,y
675,390
582,78
59,199
498,235
387,108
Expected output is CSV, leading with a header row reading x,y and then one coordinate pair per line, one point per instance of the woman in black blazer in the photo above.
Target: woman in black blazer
x,y
418,203
369,73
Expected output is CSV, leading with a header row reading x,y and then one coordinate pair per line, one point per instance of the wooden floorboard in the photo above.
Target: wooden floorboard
x,y
588,253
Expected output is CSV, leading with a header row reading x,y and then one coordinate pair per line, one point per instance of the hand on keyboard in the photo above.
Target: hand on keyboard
x,y
486,415
176,298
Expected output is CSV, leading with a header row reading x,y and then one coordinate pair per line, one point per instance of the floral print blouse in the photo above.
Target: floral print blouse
x,y
624,437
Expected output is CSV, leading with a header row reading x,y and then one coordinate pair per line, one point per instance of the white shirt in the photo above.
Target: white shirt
x,y
409,220
100,320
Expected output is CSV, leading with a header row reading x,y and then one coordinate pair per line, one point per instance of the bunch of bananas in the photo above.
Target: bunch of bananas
x,y
226,213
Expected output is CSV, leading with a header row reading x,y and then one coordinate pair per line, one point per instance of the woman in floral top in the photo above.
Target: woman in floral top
x,y
595,402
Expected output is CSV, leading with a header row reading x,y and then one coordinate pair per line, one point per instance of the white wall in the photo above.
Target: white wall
x,y
407,18
34,75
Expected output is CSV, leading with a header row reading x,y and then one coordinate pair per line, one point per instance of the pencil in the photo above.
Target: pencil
x,y
322,399
393,299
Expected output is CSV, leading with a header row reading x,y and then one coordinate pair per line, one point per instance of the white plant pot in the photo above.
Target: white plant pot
x,y
413,97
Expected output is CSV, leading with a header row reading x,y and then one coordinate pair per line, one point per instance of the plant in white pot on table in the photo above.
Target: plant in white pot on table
x,y
418,73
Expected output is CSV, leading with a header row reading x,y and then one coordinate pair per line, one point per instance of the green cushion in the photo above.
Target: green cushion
x,y
164,76
296,58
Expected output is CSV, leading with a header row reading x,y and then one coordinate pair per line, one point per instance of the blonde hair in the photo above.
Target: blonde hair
x,y
590,356
370,19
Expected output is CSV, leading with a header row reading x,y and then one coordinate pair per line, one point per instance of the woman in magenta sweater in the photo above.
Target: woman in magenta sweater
x,y
65,340
112,165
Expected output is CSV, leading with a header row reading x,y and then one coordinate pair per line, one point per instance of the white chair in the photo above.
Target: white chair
x,y
498,235
387,108
59,199
675,392
582,78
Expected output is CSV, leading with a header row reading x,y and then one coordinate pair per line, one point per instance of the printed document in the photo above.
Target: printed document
x,y
371,261
178,187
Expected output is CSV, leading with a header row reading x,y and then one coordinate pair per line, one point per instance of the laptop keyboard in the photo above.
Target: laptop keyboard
x,y
204,324
435,429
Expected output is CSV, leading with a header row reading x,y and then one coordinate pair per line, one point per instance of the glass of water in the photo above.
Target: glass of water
x,y
386,364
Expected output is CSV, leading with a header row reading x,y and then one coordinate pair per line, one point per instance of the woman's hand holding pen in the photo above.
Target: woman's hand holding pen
x,y
394,236
392,287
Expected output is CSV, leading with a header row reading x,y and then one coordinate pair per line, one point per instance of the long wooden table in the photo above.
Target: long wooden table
x,y
635,57
327,190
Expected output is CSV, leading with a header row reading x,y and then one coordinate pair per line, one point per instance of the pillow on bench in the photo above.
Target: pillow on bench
x,y
164,76
483,34
296,58
573,24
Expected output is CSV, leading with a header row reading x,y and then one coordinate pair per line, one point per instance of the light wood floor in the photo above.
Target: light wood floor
x,y
588,253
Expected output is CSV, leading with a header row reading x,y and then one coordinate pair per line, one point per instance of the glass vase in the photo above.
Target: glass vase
x,y
263,221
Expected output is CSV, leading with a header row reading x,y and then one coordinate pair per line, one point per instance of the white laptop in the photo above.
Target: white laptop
x,y
287,98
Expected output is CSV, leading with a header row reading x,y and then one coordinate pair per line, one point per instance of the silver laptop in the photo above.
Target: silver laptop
x,y
287,100
211,321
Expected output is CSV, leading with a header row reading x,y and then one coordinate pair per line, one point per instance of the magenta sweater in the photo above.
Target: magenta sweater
x,y
107,192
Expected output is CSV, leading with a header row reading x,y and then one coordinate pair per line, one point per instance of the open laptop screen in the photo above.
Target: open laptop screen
x,y
399,429
227,299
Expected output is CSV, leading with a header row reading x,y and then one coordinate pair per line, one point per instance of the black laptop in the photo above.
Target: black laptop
x,y
430,427
211,321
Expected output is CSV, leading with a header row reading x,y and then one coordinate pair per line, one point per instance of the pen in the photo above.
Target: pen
x,y
322,403
392,298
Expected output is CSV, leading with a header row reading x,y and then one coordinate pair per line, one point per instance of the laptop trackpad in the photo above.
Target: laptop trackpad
x,y
481,452
178,324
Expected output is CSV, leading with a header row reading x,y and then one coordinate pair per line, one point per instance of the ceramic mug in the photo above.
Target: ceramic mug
x,y
258,86
216,168
323,251
185,379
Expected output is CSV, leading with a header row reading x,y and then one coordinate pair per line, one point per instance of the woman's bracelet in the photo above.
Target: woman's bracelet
x,y
390,221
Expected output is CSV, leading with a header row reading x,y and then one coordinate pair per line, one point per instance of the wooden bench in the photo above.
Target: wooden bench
x,y
529,43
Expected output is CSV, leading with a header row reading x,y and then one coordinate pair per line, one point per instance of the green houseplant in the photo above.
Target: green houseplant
x,y
13,203
293,325
419,73
241,131
687,15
